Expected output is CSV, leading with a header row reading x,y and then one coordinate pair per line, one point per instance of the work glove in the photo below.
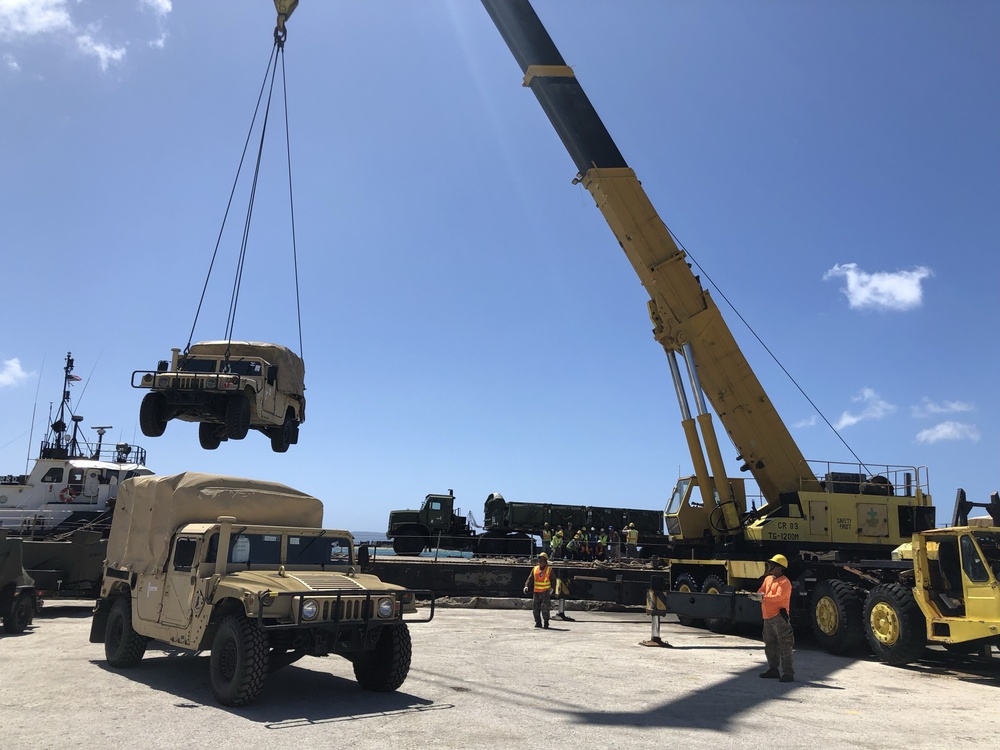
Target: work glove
x,y
756,597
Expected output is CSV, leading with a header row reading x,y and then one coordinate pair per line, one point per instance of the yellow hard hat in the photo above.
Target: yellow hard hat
x,y
543,555
780,560
631,525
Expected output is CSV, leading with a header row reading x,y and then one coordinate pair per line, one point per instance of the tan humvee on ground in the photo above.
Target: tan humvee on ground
x,y
228,387
241,568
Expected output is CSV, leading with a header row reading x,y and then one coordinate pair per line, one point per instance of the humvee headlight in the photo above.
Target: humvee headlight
x,y
385,607
310,609
163,382
210,383
147,379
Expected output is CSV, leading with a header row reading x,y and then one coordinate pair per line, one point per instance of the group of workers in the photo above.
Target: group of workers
x,y
596,544
774,596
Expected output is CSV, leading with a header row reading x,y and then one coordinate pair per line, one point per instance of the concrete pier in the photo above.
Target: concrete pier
x,y
485,678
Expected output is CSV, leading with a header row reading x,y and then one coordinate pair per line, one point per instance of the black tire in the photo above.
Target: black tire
x,y
894,625
385,668
492,545
687,582
238,664
208,436
151,420
123,647
281,437
237,416
836,617
18,617
409,541
716,585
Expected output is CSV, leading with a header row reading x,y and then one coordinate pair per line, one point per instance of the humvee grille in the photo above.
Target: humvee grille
x,y
346,609
322,582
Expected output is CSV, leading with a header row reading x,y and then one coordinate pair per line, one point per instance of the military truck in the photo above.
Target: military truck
x,y
228,388
508,527
242,568
18,600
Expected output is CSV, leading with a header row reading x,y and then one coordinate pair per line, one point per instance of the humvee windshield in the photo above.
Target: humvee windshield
x,y
249,369
198,365
265,550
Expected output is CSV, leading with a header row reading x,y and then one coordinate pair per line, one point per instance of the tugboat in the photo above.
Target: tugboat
x,y
61,510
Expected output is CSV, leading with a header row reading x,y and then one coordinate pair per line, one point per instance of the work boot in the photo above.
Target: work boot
x,y
786,678
546,624
771,674
538,625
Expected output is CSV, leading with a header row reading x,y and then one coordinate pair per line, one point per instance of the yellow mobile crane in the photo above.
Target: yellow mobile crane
x,y
839,524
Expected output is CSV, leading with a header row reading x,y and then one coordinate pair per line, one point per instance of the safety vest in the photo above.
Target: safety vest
x,y
632,537
546,535
542,578
777,591
557,542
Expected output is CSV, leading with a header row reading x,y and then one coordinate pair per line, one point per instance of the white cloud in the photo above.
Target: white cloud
x,y
20,18
807,422
927,408
881,290
160,7
59,22
11,63
873,407
949,431
103,52
12,373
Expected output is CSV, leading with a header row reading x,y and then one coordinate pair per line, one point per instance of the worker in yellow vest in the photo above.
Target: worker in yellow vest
x,y
557,544
539,583
631,541
546,539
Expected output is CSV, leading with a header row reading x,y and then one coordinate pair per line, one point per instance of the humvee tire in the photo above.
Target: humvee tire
x,y
151,420
281,436
208,436
385,668
123,647
238,665
238,416
18,617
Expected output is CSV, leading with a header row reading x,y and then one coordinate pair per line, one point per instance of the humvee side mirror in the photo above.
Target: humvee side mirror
x,y
364,558
272,374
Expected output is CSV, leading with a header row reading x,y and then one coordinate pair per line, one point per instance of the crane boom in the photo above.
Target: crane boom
x,y
685,319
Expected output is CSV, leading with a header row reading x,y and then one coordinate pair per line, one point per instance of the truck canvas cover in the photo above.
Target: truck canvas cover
x,y
149,509
291,370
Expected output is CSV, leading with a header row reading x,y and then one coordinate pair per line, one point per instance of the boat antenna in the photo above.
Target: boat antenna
x,y
34,410
59,426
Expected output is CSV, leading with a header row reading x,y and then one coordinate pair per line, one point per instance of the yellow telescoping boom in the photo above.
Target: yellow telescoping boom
x,y
865,507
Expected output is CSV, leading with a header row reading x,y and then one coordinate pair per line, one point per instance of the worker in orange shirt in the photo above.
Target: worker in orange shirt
x,y
775,596
539,583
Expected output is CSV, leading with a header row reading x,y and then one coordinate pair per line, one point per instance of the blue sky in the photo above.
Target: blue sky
x,y
469,321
